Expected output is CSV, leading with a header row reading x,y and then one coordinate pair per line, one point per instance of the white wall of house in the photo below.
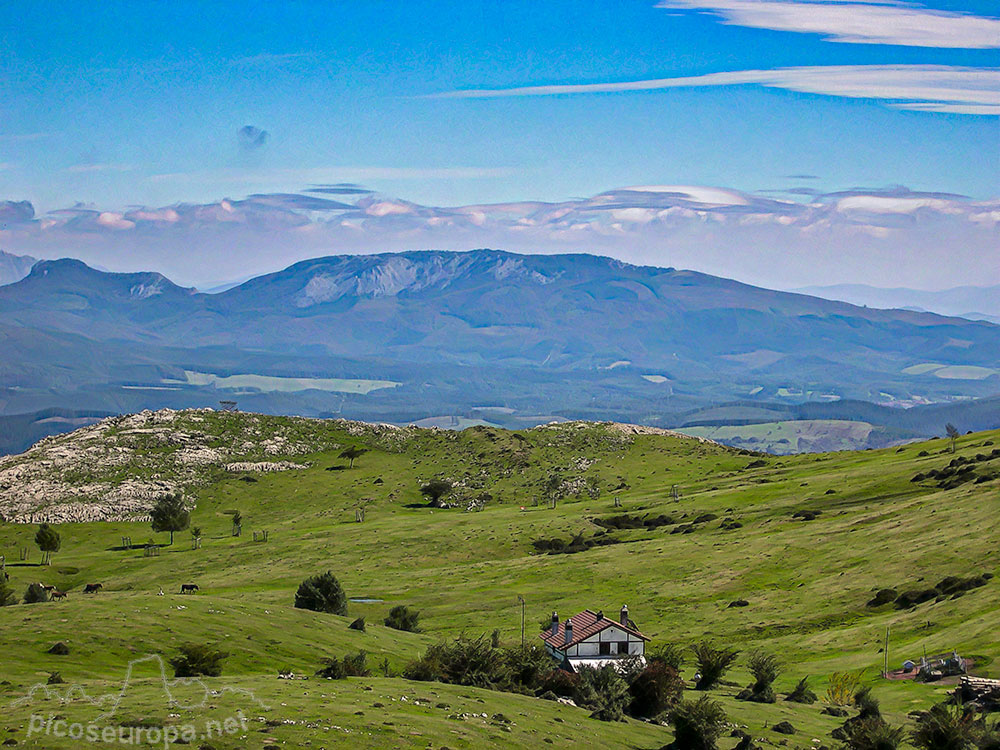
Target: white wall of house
x,y
611,641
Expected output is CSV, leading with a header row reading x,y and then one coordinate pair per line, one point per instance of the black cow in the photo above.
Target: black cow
x,y
189,588
92,588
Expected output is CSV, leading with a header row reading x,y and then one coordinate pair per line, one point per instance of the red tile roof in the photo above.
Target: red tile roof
x,y
585,625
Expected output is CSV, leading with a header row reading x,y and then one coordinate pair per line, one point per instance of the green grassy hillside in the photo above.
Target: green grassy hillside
x,y
806,582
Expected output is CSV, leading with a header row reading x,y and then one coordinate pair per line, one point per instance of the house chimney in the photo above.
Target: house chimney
x,y
568,632
600,615
555,624
624,615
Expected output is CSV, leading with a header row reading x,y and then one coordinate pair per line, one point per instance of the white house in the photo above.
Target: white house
x,y
590,639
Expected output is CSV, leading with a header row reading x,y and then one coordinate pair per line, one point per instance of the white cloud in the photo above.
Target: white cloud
x,y
104,167
929,88
856,22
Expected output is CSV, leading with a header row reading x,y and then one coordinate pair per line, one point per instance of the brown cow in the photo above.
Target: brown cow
x,y
56,594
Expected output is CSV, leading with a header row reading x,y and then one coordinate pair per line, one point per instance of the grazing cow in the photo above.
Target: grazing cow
x,y
92,588
50,589
189,588
58,594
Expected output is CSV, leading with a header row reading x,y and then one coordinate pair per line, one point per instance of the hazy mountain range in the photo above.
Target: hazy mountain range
x,y
482,335
973,302
14,267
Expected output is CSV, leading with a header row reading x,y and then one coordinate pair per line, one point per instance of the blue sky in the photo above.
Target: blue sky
x,y
447,103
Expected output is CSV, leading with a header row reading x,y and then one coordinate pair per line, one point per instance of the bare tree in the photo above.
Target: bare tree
x,y
952,434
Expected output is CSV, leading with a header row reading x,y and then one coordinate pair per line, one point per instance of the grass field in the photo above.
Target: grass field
x,y
806,582
789,436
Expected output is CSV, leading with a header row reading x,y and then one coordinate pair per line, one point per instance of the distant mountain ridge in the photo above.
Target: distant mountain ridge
x,y
14,267
526,337
972,302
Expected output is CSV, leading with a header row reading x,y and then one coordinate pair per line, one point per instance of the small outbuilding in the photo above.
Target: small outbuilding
x,y
589,639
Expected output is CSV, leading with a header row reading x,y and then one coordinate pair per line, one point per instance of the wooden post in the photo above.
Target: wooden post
x,y
675,493
885,653
22,553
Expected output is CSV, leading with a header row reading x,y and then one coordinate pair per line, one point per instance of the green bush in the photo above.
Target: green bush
x,y
559,682
697,724
604,692
527,665
351,665
655,689
669,654
35,594
464,661
765,670
321,593
358,624
873,734
713,663
7,595
198,659
402,617
801,693
946,728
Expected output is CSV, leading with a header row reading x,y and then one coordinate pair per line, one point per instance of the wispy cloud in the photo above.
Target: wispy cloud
x,y
330,175
891,233
856,22
99,167
929,88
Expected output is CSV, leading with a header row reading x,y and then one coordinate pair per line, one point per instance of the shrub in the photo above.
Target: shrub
x,y
435,490
528,665
713,663
655,689
321,593
332,669
464,661
697,724
35,594
59,649
560,682
7,595
944,728
55,679
355,665
765,669
358,624
198,659
402,617
605,692
669,654
801,693
842,687
873,734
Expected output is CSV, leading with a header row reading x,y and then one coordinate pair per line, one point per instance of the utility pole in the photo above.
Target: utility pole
x,y
521,599
885,654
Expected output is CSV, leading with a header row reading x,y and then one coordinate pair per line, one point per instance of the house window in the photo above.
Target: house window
x,y
622,647
605,648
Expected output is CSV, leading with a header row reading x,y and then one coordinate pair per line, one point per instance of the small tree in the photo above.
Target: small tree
x,y
48,541
321,593
655,689
669,654
435,490
196,532
713,663
7,595
944,728
352,453
765,670
697,724
237,523
35,594
802,693
952,432
198,659
402,617
605,692
169,514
